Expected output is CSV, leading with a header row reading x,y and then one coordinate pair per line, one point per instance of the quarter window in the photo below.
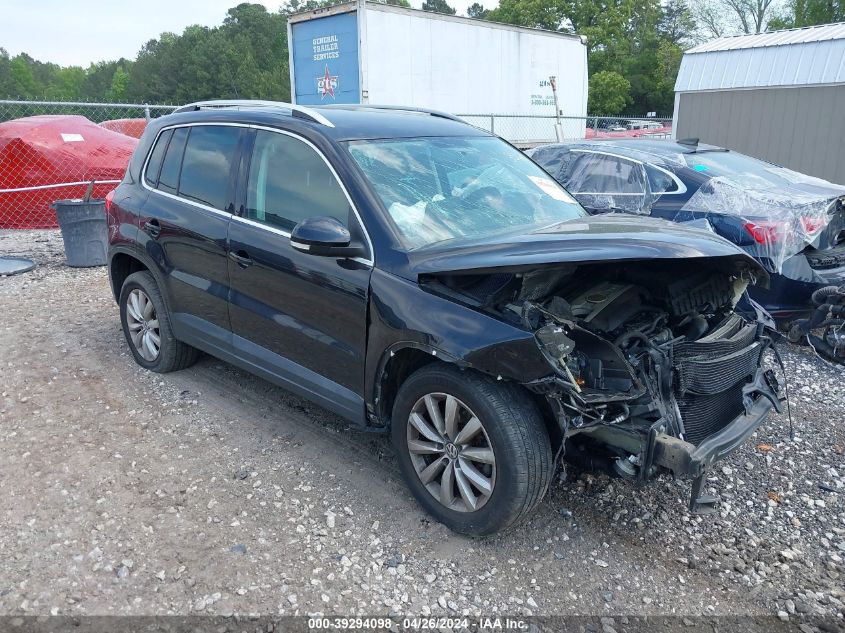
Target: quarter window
x,y
659,181
289,181
207,165
168,179
156,157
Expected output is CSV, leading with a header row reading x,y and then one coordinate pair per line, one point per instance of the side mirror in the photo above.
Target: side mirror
x,y
324,236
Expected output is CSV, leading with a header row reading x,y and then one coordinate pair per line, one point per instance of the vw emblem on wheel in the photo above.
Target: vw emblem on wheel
x,y
451,451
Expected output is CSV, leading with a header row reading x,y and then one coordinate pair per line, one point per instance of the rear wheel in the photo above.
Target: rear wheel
x,y
147,328
474,451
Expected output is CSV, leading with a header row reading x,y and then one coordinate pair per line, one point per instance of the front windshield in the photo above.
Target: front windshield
x,y
444,188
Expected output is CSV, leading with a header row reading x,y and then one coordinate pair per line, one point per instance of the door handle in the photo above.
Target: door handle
x,y
153,228
241,258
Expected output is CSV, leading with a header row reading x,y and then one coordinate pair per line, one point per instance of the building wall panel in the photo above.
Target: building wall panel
x,y
800,128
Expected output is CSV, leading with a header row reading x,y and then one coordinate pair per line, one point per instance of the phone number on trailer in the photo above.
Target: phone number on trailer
x,y
385,624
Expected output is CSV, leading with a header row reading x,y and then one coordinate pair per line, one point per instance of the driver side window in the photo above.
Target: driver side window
x,y
289,181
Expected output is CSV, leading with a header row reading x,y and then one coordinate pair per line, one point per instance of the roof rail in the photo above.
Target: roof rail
x,y
298,111
368,106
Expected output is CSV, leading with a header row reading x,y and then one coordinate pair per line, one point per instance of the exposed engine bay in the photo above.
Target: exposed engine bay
x,y
650,360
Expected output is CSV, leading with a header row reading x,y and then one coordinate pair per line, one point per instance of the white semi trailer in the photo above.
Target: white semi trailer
x,y
368,52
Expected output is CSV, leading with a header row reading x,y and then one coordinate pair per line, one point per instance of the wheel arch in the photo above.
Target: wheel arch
x,y
121,265
125,261
398,362
402,359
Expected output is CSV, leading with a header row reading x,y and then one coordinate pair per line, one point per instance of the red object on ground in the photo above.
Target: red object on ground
x,y
49,158
129,127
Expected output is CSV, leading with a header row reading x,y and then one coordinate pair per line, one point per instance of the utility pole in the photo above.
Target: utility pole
x,y
558,126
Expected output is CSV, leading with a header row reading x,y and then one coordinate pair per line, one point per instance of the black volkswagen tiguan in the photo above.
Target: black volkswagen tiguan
x,y
421,277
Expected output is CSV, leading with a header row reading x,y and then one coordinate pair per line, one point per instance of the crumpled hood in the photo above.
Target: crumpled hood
x,y
591,239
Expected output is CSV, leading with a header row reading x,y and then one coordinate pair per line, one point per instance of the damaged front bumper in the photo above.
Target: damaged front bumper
x,y
657,450
686,460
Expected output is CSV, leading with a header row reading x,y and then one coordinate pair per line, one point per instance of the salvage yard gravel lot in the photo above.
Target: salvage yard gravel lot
x,y
211,491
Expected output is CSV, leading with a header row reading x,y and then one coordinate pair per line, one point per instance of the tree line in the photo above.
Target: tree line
x,y
634,50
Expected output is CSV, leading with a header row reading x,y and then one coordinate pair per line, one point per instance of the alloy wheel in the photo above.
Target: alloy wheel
x,y
451,452
142,321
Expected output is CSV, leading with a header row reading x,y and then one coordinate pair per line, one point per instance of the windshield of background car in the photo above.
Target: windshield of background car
x,y
444,188
745,171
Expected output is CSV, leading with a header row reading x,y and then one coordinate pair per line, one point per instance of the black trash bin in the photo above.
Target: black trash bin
x,y
84,231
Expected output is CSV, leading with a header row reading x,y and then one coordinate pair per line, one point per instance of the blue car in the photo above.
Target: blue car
x,y
791,223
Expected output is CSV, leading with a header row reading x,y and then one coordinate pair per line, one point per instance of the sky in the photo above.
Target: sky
x,y
79,32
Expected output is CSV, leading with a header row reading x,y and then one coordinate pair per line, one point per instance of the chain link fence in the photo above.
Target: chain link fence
x,y
526,130
530,131
53,150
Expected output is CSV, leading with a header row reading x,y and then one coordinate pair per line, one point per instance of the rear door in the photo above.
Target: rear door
x,y
298,318
185,221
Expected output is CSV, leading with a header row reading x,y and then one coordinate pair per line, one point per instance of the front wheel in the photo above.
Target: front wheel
x,y
474,451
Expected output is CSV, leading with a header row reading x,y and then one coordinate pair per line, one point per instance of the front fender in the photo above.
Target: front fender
x,y
404,315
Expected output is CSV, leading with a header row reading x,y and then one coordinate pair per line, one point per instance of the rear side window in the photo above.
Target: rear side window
x,y
289,181
168,179
156,157
207,164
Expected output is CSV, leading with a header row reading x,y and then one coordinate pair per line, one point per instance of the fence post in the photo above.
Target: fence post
x,y
147,111
492,124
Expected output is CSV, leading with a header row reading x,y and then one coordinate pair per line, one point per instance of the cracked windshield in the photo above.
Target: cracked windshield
x,y
445,188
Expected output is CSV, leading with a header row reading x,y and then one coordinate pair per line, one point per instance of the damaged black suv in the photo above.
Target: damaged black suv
x,y
418,276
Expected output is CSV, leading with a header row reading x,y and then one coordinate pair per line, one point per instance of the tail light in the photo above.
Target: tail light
x,y
772,232
765,232
812,225
109,198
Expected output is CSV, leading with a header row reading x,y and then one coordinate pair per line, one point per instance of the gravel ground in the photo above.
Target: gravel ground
x,y
211,491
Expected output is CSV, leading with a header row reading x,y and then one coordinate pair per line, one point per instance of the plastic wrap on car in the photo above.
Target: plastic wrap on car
x,y
584,172
601,186
781,221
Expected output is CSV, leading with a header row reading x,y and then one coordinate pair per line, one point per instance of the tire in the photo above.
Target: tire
x,y
172,354
511,428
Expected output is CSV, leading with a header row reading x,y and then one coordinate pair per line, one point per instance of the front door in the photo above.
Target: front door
x,y
300,316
